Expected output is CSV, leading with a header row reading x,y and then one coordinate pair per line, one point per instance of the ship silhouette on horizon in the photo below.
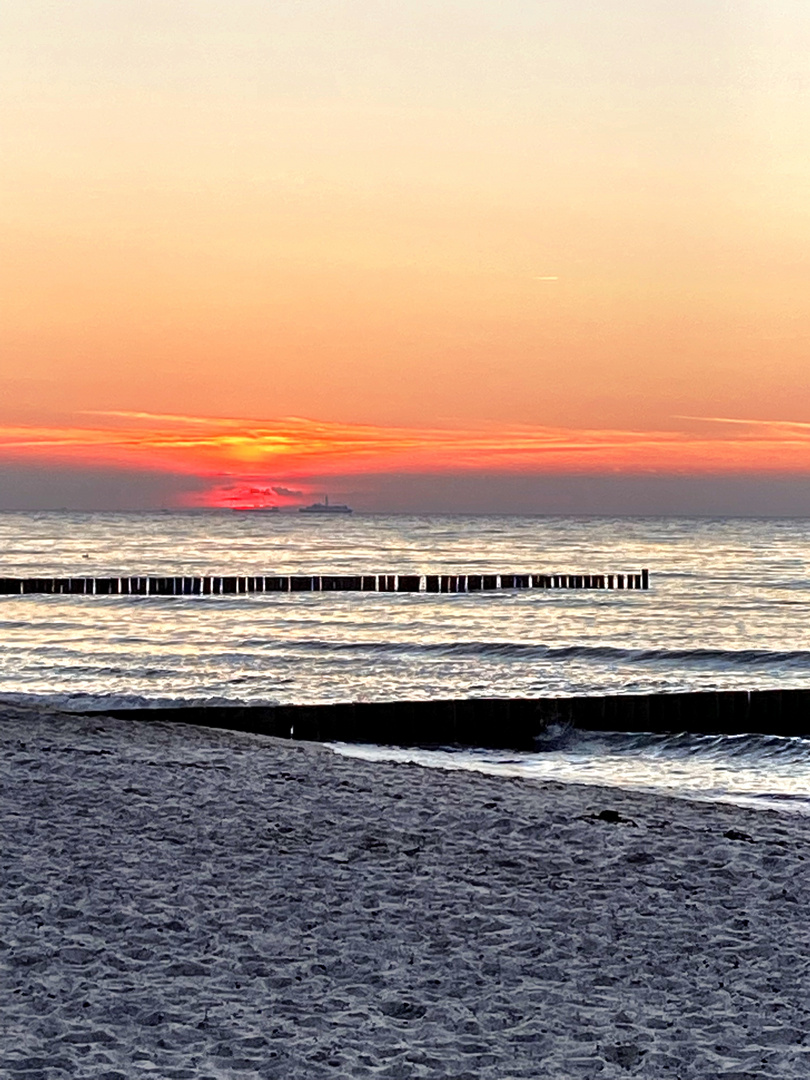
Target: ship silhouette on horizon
x,y
325,507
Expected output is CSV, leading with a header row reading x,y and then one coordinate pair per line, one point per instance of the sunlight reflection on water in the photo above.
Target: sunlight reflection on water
x,y
726,610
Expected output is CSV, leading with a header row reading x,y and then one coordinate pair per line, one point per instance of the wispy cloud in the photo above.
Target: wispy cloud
x,y
273,453
754,425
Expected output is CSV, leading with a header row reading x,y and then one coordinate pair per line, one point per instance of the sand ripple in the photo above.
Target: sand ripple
x,y
187,903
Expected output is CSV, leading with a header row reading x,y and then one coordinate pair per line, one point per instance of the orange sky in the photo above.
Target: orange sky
x,y
248,462
458,236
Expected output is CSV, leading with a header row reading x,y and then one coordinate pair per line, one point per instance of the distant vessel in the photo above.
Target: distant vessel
x,y
255,509
325,508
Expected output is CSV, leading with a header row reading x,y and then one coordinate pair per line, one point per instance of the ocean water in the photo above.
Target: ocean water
x,y
727,609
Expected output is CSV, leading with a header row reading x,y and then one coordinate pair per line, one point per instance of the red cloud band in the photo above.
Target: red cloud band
x,y
293,449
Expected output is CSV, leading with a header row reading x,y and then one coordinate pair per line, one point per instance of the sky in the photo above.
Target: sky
x,y
535,255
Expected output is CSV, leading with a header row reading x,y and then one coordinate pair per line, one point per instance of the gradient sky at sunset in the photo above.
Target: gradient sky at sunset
x,y
323,245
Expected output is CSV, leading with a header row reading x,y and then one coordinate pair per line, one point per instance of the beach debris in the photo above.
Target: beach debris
x,y
187,969
373,843
735,834
626,1055
640,858
612,817
403,1010
154,1019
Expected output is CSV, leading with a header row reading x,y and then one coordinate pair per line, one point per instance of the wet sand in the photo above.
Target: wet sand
x,y
182,902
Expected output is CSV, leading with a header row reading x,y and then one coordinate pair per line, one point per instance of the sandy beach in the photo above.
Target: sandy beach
x,y
186,903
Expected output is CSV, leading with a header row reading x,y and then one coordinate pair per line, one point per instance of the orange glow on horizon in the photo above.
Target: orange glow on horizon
x,y
502,235
251,462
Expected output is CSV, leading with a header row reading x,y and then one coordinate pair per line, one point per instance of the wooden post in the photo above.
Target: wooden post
x,y
645,579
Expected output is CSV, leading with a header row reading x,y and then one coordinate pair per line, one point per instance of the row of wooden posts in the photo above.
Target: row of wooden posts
x,y
503,723
403,583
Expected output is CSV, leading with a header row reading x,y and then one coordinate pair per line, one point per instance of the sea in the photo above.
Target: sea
x,y
727,608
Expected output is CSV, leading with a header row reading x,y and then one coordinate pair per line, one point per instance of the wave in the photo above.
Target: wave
x,y
742,658
741,748
80,702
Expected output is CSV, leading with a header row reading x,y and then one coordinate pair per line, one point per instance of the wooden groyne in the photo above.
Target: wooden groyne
x,y
505,723
218,585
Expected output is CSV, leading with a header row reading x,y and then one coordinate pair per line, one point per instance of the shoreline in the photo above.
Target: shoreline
x,y
191,902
